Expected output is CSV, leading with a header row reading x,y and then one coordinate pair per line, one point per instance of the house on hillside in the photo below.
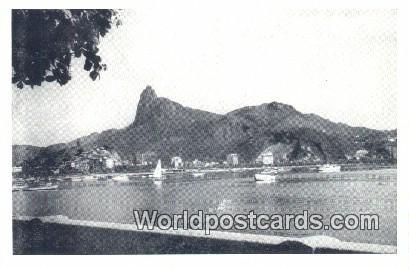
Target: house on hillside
x,y
267,158
360,154
96,160
275,154
144,159
197,163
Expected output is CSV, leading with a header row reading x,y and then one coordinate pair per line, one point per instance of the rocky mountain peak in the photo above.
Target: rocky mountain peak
x,y
147,100
169,129
147,95
279,106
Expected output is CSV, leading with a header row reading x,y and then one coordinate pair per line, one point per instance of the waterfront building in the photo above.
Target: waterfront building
x,y
149,158
17,169
360,154
267,158
197,163
277,154
232,159
211,164
109,163
177,162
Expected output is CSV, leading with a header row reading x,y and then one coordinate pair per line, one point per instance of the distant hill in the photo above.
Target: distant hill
x,y
170,129
23,153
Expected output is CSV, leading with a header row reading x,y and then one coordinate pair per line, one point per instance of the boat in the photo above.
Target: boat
x,y
157,183
89,178
176,170
19,185
198,174
102,178
120,178
268,175
224,205
158,172
329,168
46,187
76,179
19,188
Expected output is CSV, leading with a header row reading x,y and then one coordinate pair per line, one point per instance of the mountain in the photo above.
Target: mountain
x,y
167,129
21,153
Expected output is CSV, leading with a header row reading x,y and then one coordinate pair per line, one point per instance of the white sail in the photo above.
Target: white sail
x,y
158,170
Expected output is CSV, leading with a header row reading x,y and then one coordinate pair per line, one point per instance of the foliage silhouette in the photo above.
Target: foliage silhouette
x,y
45,41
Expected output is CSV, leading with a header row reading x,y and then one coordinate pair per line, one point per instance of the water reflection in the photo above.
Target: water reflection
x,y
221,194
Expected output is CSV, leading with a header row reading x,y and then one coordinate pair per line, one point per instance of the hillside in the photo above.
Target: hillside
x,y
167,129
23,153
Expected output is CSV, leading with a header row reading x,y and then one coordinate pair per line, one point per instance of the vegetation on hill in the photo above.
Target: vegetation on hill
x,y
168,129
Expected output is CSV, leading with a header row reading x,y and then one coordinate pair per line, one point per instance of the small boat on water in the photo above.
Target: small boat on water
x,y
89,178
329,168
19,188
48,186
158,172
268,175
102,178
224,205
19,185
66,179
198,174
76,179
120,178
158,183
176,170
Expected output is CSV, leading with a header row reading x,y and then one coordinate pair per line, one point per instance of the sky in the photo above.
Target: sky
x,y
339,64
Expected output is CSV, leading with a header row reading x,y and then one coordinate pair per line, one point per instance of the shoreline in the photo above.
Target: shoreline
x,y
387,170
61,235
368,174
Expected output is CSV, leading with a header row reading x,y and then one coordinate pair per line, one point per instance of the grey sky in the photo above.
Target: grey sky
x,y
338,64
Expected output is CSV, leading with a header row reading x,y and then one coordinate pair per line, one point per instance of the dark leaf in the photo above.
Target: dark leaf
x,y
20,84
46,40
93,75
87,65
50,78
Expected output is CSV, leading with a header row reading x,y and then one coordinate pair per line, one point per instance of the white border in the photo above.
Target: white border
x,y
395,260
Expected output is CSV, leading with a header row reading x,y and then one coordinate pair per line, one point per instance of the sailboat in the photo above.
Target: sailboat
x,y
158,172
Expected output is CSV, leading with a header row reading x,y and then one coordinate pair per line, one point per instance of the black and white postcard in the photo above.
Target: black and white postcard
x,y
175,128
